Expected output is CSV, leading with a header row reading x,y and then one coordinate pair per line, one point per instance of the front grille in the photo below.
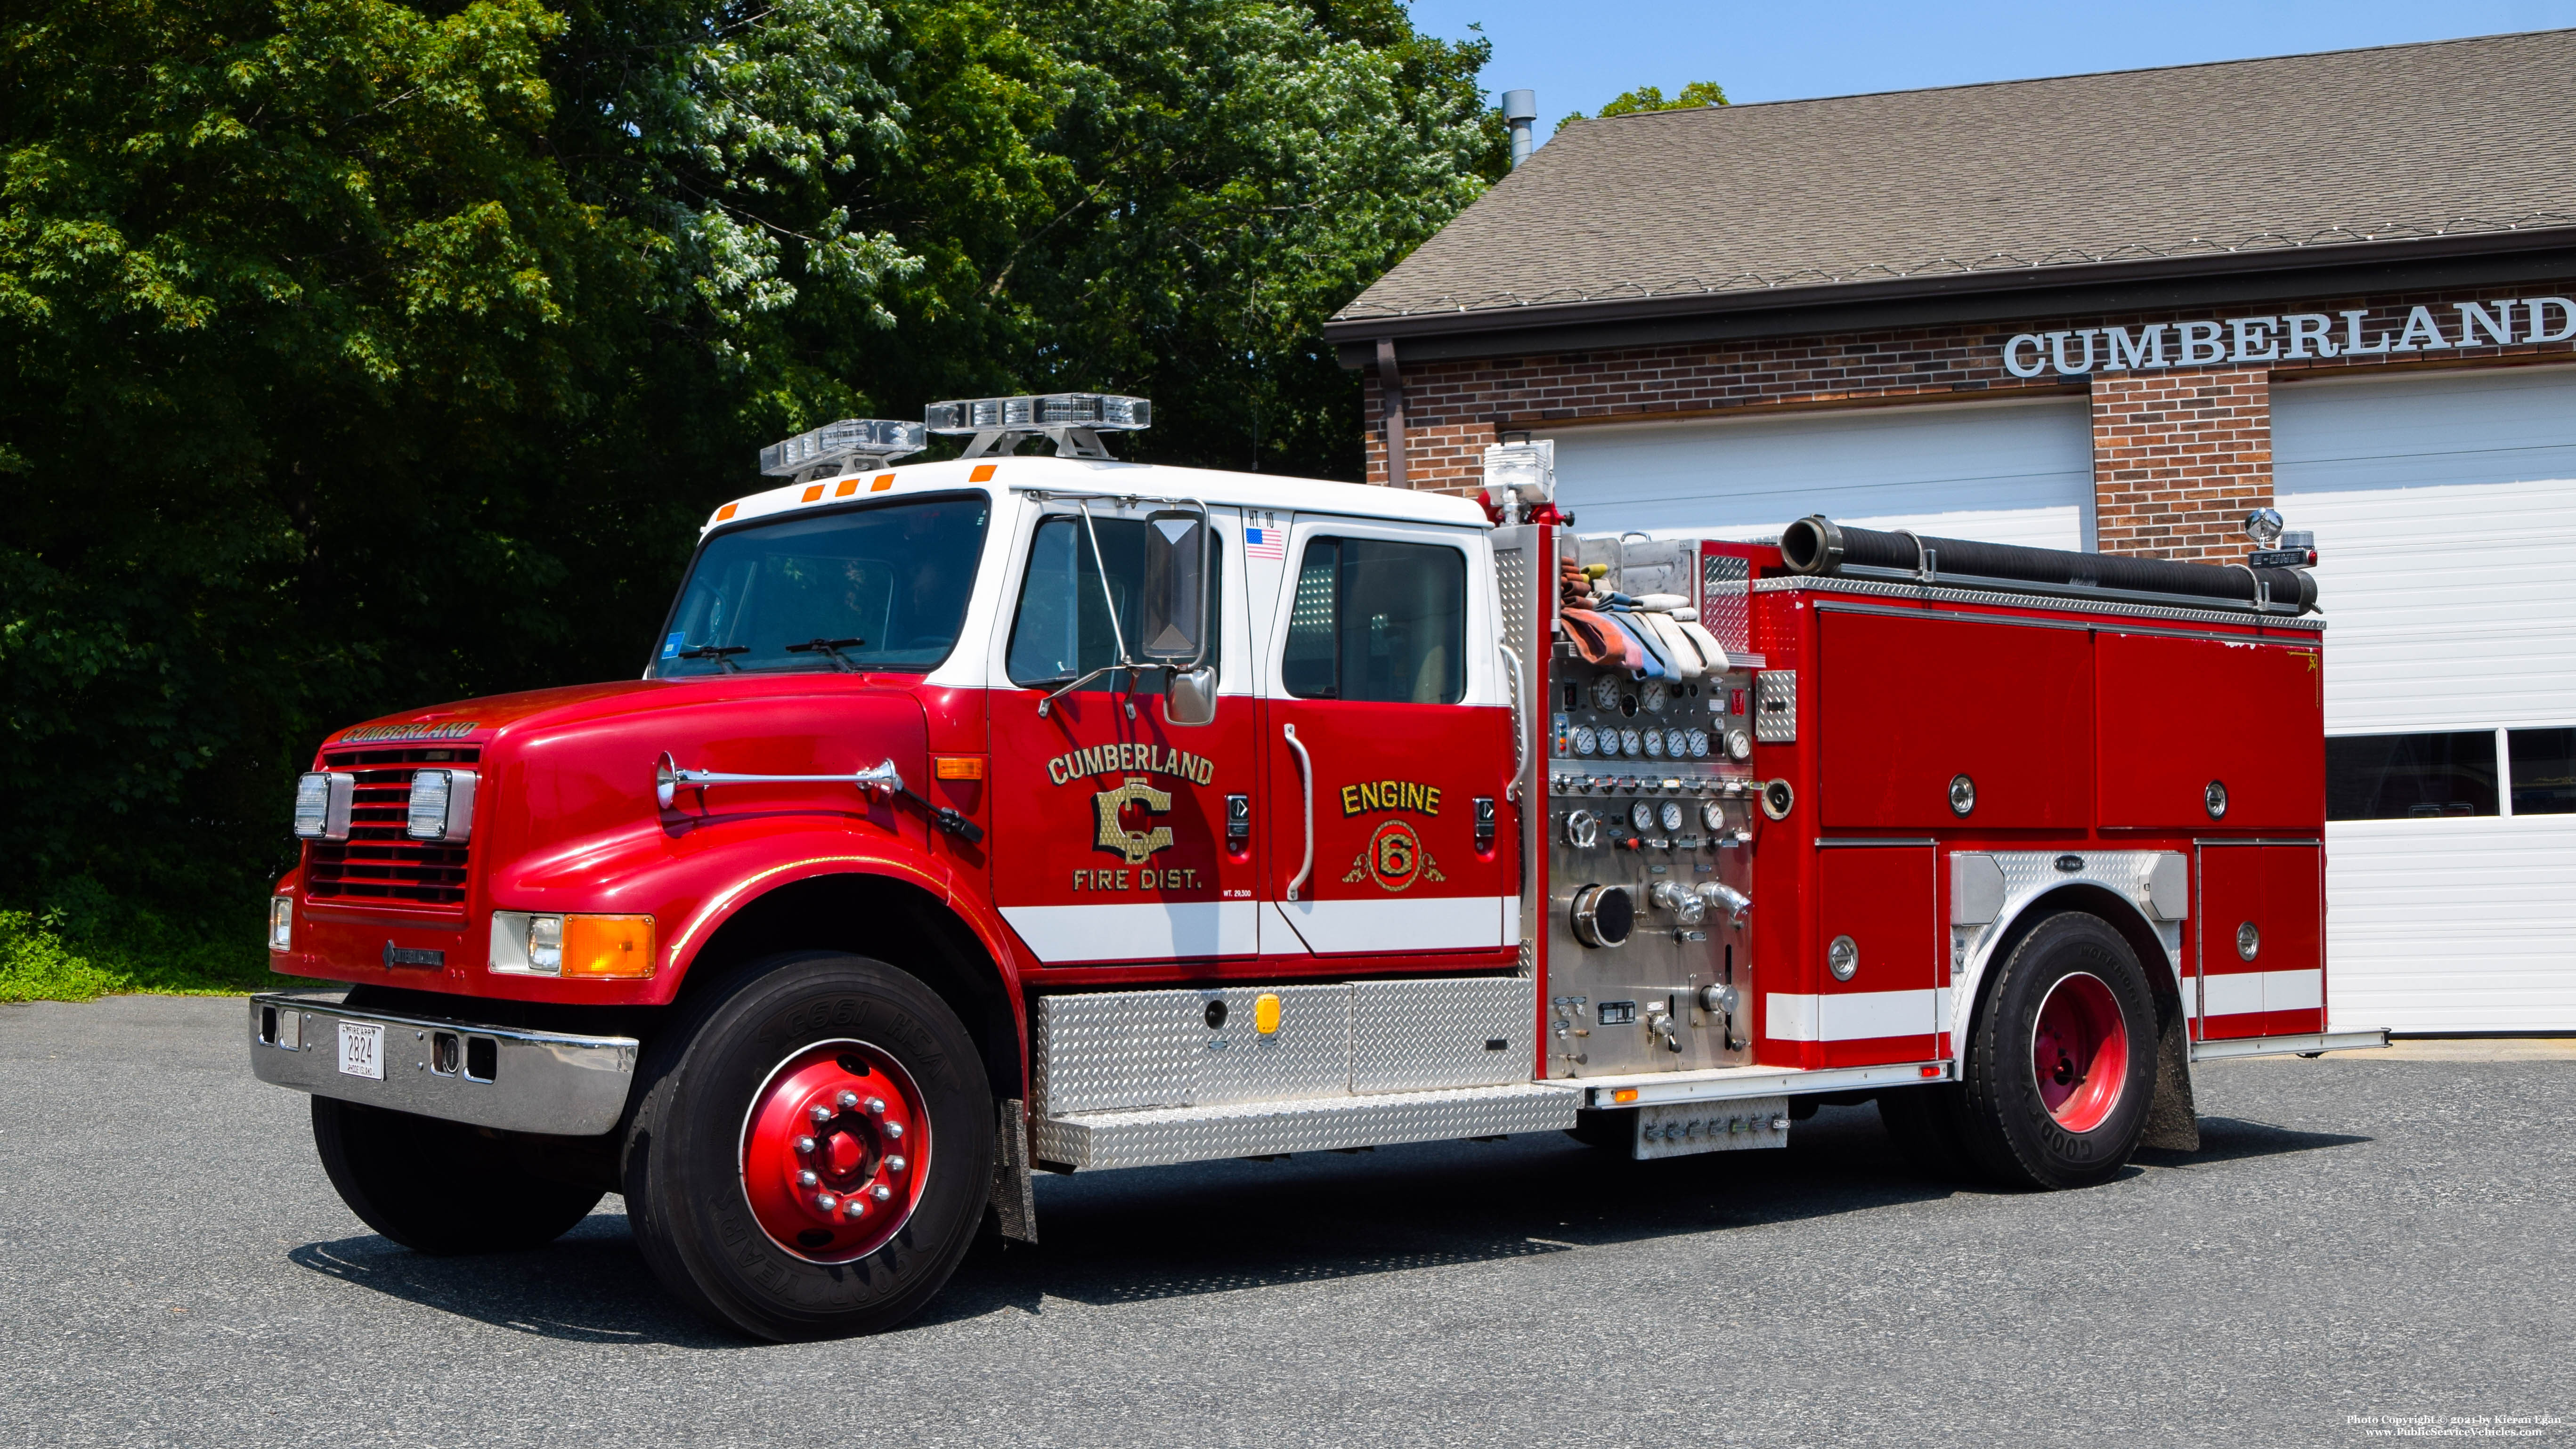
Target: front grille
x,y
378,861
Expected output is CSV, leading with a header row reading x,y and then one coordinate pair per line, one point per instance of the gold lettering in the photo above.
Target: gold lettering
x,y
1350,799
1431,800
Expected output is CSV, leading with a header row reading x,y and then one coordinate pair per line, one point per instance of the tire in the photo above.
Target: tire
x,y
440,1187
2061,1065
720,1135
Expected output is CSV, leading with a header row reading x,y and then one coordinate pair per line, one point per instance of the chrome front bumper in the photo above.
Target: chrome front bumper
x,y
462,1071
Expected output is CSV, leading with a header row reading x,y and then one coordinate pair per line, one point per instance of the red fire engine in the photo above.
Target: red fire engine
x,y
1013,814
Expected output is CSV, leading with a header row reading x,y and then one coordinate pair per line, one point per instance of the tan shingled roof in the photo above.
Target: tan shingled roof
x,y
2453,137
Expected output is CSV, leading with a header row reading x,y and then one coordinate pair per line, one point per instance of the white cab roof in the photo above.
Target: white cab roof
x,y
1078,475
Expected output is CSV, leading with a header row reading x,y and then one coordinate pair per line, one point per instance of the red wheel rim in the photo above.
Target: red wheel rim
x,y
835,1150
2079,1052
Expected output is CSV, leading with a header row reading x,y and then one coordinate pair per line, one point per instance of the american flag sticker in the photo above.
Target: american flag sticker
x,y
1265,543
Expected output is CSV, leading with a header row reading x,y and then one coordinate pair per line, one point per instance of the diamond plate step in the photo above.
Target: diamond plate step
x,y
1156,1136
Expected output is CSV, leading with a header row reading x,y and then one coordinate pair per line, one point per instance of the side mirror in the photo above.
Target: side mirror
x,y
1189,698
1176,591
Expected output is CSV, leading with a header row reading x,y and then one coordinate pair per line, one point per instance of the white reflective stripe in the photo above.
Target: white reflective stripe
x,y
2237,992
1137,930
1398,923
1855,1015
1788,1018
2294,990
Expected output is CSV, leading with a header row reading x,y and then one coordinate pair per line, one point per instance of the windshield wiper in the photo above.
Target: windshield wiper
x,y
833,647
720,653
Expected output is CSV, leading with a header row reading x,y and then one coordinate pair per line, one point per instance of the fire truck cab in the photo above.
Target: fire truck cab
x,y
1021,814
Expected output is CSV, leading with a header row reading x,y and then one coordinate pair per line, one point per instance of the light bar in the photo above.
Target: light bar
x,y
877,440
1099,411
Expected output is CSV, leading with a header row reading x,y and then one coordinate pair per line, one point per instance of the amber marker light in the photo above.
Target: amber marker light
x,y
958,767
608,946
1624,1094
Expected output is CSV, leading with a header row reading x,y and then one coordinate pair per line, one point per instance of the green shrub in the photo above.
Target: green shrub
x,y
83,944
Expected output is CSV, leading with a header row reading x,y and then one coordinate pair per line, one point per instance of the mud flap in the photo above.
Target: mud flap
x,y
1015,1200
2173,1120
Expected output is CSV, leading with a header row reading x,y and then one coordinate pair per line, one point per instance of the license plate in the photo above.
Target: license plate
x,y
362,1050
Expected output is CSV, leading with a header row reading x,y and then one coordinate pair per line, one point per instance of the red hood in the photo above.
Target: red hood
x,y
481,719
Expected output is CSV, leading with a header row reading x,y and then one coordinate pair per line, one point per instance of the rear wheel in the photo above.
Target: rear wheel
x,y
440,1187
812,1149
2060,1068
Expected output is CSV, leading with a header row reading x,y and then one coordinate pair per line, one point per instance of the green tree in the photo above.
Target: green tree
x,y
365,354
1651,98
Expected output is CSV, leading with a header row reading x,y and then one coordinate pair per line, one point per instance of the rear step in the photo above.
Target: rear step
x,y
2305,1044
1155,1136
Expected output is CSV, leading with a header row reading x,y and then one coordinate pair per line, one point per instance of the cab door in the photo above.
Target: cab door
x,y
1119,836
1389,742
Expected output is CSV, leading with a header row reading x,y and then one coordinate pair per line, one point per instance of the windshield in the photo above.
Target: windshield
x,y
872,588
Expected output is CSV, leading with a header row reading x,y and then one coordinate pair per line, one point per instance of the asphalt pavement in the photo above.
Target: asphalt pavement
x,y
2364,1241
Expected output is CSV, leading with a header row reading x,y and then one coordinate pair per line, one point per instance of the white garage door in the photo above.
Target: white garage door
x,y
2445,513
1997,472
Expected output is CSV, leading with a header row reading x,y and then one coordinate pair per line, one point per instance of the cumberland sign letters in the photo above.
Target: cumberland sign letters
x,y
2287,337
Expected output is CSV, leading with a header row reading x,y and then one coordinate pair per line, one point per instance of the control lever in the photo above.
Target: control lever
x,y
1659,1024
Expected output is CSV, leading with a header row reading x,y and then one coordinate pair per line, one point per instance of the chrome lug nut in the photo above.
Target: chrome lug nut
x,y
820,1115
876,1105
895,1164
853,1208
805,1144
894,1130
881,1192
808,1179
826,1201
847,1100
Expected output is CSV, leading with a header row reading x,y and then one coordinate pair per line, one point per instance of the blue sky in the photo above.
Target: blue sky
x,y
1578,55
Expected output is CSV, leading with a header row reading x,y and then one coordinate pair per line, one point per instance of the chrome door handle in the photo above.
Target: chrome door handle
x,y
1306,782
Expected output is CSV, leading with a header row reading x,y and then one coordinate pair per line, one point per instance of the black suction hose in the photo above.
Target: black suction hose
x,y
1818,545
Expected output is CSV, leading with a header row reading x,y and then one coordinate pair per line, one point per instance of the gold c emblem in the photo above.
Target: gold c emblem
x,y
1136,845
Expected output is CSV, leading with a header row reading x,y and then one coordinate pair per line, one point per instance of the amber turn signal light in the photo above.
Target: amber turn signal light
x,y
608,946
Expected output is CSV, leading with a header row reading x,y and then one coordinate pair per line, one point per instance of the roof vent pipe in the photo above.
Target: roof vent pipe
x,y
1520,108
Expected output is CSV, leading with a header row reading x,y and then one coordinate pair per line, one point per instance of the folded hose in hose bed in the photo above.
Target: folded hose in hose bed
x,y
1818,545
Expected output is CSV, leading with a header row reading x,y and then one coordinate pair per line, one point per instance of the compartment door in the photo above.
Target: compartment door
x,y
1885,900
1909,704
2261,934
2178,714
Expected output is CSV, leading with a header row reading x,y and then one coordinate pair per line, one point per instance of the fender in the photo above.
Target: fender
x,y
2009,885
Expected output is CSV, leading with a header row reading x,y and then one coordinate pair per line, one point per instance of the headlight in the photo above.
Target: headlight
x,y
322,805
526,944
441,807
281,923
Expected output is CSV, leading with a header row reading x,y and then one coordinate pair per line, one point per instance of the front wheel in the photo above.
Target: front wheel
x,y
812,1149
2061,1067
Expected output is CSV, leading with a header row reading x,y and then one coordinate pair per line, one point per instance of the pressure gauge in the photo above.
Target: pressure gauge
x,y
1631,744
1654,742
1654,696
1712,815
1605,693
1699,744
1642,815
1677,744
1672,816
1739,745
1585,741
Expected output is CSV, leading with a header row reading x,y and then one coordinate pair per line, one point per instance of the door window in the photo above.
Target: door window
x,y
1379,622
1063,628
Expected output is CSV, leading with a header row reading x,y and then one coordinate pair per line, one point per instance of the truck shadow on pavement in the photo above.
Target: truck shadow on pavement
x,y
1156,1233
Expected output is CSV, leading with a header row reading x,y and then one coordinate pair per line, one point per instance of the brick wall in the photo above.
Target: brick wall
x,y
2179,459
2181,455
